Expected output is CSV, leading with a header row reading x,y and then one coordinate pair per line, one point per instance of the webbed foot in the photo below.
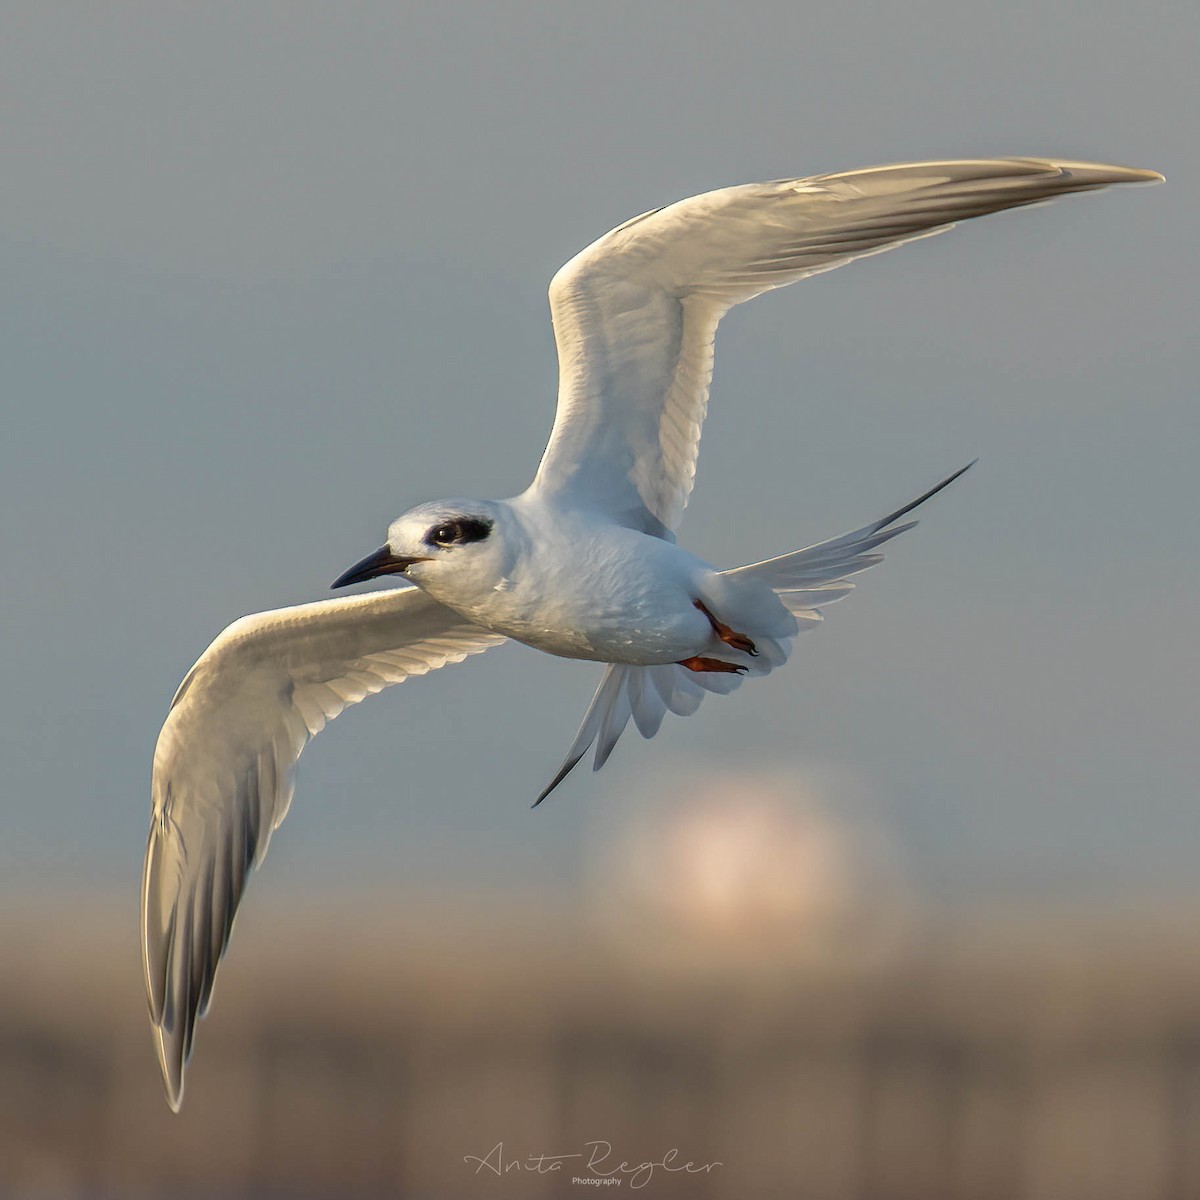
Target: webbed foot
x,y
739,641
711,664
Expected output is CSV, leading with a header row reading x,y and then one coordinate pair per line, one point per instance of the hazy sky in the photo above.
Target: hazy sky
x,y
275,272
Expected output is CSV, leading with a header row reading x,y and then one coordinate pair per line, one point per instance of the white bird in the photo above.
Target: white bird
x,y
583,564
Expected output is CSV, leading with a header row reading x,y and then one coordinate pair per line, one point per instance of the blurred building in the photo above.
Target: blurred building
x,y
761,995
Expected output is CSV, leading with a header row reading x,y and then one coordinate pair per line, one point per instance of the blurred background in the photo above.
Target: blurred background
x,y
915,918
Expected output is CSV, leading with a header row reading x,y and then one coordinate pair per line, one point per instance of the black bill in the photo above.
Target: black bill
x,y
382,562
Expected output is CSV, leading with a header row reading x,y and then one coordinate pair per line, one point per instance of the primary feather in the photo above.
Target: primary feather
x,y
635,313
225,762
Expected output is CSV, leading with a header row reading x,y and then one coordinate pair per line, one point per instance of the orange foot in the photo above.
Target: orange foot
x,y
711,664
739,641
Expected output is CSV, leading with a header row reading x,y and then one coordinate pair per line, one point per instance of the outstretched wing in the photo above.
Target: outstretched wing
x,y
635,313
224,767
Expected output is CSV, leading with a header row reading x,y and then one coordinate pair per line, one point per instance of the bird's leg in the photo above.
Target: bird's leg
x,y
739,641
711,664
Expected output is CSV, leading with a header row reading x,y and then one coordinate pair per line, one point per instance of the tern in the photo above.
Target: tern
x,y
583,564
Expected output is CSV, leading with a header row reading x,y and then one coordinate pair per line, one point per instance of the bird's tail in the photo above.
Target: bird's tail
x,y
805,580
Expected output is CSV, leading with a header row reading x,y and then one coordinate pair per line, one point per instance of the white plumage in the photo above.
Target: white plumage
x,y
583,564
224,767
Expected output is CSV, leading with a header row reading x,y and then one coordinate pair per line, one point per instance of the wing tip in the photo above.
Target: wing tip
x,y
1112,172
172,1066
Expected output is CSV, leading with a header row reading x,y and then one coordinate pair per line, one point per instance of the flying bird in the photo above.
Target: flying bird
x,y
583,564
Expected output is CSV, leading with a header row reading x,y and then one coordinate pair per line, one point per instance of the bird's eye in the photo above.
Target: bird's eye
x,y
458,533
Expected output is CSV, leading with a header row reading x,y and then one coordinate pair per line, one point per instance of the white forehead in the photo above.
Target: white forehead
x,y
417,520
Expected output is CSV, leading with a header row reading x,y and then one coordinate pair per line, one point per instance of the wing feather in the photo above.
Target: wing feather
x,y
635,313
224,770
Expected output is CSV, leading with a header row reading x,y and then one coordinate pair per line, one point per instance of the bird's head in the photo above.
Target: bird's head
x,y
441,543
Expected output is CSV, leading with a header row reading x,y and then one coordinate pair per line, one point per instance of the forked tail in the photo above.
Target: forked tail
x,y
805,580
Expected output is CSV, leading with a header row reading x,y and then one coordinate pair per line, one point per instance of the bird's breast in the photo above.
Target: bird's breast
x,y
616,602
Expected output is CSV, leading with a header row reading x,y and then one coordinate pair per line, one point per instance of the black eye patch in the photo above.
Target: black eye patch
x,y
458,533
